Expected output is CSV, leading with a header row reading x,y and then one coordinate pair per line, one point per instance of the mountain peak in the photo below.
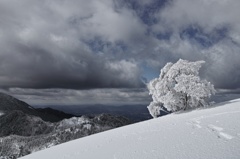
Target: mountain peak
x,y
9,103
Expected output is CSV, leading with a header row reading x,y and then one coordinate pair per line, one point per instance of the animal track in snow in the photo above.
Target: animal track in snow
x,y
198,126
226,136
218,131
195,124
215,128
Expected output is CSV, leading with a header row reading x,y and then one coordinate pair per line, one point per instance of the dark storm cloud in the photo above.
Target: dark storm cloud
x,y
114,97
44,46
37,68
57,46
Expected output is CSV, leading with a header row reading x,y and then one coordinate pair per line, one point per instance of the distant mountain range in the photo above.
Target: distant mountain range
x,y
134,112
22,134
24,129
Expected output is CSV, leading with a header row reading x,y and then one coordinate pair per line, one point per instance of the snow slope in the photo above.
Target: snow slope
x,y
206,133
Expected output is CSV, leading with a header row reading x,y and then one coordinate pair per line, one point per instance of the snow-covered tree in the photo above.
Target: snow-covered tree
x,y
179,87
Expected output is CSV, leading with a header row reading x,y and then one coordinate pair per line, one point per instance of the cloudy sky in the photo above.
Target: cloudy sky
x,y
103,51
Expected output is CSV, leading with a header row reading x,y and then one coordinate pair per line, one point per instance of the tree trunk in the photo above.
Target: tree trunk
x,y
185,102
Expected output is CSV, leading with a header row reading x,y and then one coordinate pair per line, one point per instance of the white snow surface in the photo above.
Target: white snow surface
x,y
199,134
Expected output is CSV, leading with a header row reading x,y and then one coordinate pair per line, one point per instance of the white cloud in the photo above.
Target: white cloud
x,y
221,55
126,70
207,14
110,24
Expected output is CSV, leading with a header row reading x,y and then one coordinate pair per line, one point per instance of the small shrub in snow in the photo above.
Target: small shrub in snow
x,y
179,87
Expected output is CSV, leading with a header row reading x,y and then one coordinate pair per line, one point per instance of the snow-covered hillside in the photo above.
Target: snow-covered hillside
x,y
206,133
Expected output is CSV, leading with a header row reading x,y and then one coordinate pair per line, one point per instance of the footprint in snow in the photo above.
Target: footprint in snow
x,y
195,124
215,128
226,136
218,131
